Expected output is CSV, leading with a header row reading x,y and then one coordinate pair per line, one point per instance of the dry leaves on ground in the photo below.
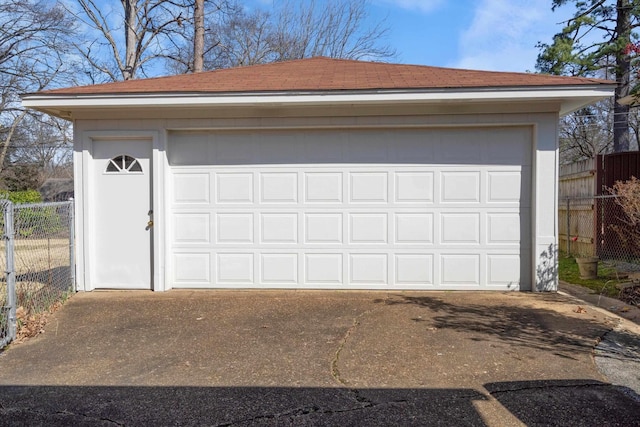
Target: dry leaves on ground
x,y
30,325
631,295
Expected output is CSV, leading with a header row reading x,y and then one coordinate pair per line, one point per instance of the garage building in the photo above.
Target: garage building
x,y
319,174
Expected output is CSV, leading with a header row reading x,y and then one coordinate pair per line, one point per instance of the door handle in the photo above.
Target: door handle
x,y
149,224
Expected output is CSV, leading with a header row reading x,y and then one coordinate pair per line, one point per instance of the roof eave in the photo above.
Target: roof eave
x,y
571,98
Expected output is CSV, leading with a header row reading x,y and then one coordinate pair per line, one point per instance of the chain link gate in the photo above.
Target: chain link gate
x,y
37,256
597,226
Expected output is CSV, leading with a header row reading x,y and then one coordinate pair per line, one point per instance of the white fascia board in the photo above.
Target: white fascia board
x,y
577,94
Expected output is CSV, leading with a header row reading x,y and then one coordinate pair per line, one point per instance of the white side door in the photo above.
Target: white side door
x,y
120,213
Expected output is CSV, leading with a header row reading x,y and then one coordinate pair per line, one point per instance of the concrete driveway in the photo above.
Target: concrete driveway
x,y
230,358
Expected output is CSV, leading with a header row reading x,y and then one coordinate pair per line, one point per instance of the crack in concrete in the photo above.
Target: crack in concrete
x,y
297,411
89,417
307,411
363,402
335,371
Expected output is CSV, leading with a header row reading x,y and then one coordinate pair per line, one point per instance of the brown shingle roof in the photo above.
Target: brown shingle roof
x,y
326,74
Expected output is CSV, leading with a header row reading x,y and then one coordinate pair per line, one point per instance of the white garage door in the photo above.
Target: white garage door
x,y
351,209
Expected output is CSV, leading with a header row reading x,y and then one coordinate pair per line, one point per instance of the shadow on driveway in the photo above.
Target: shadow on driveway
x,y
522,325
549,403
566,403
242,406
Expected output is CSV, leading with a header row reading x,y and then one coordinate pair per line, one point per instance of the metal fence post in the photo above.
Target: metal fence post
x,y
11,270
568,226
72,244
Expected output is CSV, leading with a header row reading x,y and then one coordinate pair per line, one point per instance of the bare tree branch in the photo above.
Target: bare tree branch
x,y
34,44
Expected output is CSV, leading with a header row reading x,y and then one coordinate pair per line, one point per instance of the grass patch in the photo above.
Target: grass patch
x,y
604,284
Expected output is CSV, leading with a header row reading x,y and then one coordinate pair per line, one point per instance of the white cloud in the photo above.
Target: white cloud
x,y
503,34
424,6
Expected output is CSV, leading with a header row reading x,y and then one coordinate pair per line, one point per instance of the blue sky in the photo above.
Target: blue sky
x,y
495,35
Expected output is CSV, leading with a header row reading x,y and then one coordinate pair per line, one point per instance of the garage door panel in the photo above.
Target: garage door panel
x,y
460,187
279,187
235,268
504,187
191,188
279,268
414,187
191,148
483,146
234,228
509,146
323,228
467,150
460,269
473,146
331,150
279,228
323,268
192,269
503,228
416,150
232,149
368,228
234,187
414,228
414,269
344,269
192,228
460,228
326,220
503,269
368,268
323,187
368,147
368,187
282,150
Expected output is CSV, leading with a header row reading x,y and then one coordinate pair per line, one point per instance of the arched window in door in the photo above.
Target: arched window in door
x,y
123,164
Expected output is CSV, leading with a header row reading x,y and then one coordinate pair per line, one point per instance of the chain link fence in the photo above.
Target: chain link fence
x,y
37,256
598,227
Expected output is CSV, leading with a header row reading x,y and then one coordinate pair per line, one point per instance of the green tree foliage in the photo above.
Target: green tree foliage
x,y
596,41
18,197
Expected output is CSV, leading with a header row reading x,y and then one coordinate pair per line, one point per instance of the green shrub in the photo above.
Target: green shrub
x,y
19,197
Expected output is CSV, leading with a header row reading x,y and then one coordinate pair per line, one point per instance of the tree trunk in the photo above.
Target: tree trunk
x,y
198,36
130,20
623,66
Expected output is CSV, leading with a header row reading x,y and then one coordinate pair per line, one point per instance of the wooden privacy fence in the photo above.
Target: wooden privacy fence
x,y
578,179
577,226
588,214
576,214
